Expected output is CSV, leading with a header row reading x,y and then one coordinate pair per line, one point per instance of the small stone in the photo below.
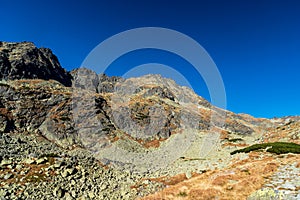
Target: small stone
x,y
123,192
146,182
3,193
29,161
71,171
18,167
10,166
68,172
103,187
5,162
74,194
64,173
41,160
229,187
73,182
7,186
58,192
68,196
288,186
58,165
23,172
91,195
81,198
188,174
8,176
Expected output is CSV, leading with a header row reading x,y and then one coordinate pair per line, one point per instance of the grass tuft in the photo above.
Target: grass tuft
x,y
182,194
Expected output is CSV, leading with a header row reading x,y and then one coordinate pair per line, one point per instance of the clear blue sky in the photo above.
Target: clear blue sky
x,y
255,44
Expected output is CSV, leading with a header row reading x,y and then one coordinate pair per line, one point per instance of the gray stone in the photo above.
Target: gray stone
x,y
73,193
8,176
68,172
288,186
24,172
19,166
41,160
146,182
6,162
188,174
3,193
29,161
58,165
10,166
58,192
68,196
73,182
91,195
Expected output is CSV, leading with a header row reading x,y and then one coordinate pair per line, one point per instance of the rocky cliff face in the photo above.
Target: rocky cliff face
x,y
26,61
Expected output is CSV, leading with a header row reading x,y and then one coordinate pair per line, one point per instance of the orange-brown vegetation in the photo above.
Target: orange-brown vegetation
x,y
237,181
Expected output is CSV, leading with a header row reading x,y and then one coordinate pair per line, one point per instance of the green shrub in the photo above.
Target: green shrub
x,y
49,155
275,147
235,140
182,194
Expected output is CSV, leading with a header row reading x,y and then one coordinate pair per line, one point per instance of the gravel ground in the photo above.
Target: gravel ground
x,y
286,181
34,168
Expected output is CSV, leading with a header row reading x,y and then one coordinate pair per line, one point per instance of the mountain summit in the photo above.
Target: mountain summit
x,y
25,61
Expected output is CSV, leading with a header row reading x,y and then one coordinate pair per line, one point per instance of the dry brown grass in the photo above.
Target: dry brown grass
x,y
237,181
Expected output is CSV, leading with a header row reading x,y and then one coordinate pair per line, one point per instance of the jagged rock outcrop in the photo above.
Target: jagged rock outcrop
x,y
25,61
84,78
107,84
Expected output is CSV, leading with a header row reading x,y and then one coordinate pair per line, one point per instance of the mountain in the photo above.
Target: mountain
x,y
142,134
25,61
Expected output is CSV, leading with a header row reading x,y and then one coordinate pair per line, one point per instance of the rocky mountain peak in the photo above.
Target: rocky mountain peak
x,y
84,78
25,61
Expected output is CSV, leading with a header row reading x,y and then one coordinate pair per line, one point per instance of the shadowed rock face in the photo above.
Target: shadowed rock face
x,y
87,79
26,61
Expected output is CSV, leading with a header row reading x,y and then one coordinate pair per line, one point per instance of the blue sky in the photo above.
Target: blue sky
x,y
255,44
